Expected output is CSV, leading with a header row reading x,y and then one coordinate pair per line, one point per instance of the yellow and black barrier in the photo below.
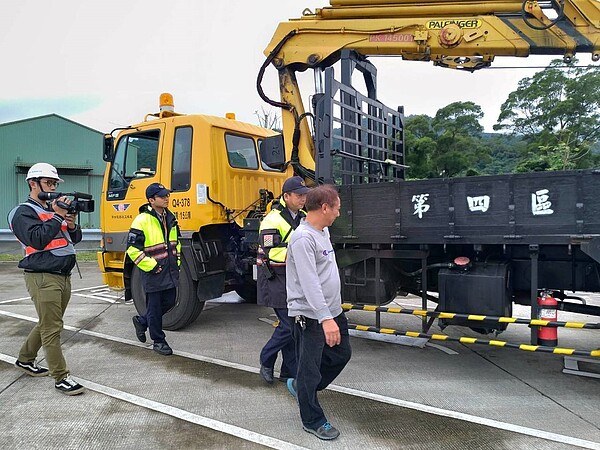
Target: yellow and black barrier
x,y
473,317
470,340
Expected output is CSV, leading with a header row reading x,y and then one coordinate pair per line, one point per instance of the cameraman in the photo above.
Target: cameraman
x,y
47,233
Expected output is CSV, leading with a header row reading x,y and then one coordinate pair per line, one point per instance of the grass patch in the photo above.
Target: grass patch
x,y
82,256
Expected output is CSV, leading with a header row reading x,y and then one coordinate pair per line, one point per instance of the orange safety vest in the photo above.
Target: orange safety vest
x,y
61,245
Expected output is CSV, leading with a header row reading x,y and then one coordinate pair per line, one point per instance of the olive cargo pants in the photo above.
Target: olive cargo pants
x,y
50,294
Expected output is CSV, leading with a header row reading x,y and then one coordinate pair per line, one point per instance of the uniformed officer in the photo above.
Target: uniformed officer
x,y
153,246
275,232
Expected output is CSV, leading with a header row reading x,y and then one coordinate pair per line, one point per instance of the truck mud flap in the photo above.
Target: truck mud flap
x,y
210,286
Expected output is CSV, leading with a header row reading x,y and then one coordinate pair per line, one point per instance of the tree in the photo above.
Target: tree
x,y
459,144
448,144
420,145
268,119
558,111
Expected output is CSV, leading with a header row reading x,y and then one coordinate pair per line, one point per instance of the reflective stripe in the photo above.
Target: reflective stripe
x,y
155,247
54,244
276,221
61,245
262,262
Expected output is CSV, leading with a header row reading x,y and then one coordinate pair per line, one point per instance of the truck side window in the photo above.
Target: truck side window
x,y
182,157
135,157
241,152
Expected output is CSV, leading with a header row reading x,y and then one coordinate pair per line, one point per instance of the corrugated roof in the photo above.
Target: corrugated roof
x,y
45,116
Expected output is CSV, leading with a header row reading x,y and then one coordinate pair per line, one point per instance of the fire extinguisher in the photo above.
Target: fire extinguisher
x,y
547,310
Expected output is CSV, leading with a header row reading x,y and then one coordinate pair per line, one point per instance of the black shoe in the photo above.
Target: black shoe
x,y
284,377
31,368
266,374
140,330
327,432
69,386
162,348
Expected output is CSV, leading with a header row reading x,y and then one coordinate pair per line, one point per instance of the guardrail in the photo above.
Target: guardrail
x,y
9,243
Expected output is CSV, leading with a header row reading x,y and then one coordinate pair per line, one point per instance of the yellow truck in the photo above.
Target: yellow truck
x,y
219,187
458,238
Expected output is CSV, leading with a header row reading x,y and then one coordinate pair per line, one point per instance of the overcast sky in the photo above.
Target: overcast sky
x,y
104,63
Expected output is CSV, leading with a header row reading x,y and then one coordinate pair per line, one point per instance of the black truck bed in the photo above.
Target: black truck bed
x,y
533,208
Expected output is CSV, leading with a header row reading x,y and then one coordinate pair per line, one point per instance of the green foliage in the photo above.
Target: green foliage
x,y
558,113
553,120
447,145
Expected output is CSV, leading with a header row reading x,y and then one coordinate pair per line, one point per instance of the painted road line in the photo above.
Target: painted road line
x,y
13,300
469,418
99,297
181,414
357,393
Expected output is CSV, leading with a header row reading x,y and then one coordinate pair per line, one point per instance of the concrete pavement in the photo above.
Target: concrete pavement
x,y
209,395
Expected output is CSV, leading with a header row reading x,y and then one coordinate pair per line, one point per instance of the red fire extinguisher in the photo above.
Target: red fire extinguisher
x,y
547,310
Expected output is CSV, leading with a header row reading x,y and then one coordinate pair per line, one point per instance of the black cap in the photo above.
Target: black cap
x,y
156,189
296,185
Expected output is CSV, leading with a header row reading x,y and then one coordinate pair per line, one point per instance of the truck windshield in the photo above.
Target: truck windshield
x,y
135,157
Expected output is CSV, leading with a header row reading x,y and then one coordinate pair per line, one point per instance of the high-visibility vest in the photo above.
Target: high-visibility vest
x,y
156,247
275,221
61,245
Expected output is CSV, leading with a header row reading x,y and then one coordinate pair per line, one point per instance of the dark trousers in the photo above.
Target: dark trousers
x,y
281,340
318,366
157,304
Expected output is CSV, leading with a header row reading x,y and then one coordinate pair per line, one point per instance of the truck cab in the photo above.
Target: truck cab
x,y
219,191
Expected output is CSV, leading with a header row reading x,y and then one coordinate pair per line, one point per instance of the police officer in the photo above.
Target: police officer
x,y
47,232
275,232
153,245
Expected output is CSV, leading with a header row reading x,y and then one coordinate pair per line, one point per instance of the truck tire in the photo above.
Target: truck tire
x,y
187,307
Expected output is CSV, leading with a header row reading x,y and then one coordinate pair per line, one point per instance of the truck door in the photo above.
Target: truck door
x,y
133,168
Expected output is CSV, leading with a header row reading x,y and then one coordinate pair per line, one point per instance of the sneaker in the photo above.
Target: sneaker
x,y
291,385
327,432
140,330
266,374
31,368
162,348
69,386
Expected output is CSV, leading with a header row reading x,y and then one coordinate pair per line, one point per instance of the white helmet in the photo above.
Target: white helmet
x,y
43,170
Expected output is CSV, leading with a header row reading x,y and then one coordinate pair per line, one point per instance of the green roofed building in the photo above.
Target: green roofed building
x,y
74,149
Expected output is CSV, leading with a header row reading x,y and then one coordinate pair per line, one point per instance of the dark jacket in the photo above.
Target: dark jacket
x,y
155,248
270,281
31,231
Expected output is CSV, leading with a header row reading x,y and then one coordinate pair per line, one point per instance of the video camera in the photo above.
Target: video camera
x,y
81,202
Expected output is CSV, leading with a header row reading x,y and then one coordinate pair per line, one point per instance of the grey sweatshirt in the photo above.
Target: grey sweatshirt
x,y
312,276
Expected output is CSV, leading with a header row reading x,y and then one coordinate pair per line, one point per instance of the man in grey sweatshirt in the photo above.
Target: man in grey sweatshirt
x,y
314,300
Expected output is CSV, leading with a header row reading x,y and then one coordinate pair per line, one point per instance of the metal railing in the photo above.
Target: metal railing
x,y
9,243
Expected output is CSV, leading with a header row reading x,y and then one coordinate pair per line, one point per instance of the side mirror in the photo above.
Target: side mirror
x,y
272,152
109,148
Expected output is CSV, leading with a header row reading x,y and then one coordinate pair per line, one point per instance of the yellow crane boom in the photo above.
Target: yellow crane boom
x,y
460,34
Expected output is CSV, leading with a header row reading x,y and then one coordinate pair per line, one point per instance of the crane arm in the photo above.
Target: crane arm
x,y
460,34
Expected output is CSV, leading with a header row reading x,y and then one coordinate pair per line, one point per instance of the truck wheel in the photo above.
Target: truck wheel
x,y
247,291
187,307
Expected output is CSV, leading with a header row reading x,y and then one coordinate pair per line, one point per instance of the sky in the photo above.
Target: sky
x,y
104,63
